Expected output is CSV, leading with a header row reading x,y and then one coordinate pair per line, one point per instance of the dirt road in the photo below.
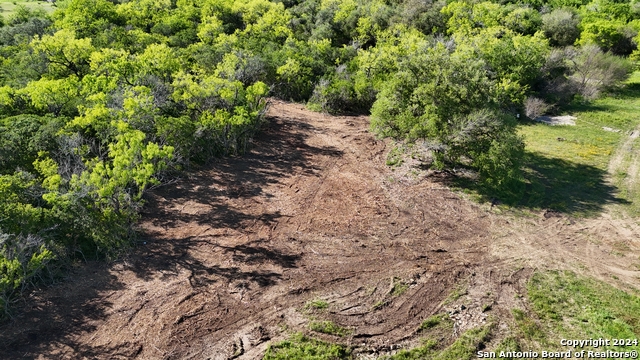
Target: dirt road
x,y
231,255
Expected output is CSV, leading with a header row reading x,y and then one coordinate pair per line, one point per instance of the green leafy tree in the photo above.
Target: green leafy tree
x,y
144,14
614,36
468,18
523,20
118,65
425,16
54,96
66,54
31,24
158,60
86,18
22,14
448,100
514,60
21,65
19,200
22,137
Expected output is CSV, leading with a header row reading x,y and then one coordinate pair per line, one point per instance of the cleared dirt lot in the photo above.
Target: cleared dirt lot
x,y
230,256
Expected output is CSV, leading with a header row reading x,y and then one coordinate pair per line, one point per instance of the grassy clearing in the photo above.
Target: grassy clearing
x,y
7,7
574,307
508,344
527,328
566,167
301,347
585,143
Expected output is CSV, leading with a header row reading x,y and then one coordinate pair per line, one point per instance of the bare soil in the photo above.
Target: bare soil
x,y
231,255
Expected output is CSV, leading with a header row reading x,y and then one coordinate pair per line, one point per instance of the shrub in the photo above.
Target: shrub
x,y
332,97
593,70
535,107
424,15
553,86
450,102
611,36
22,259
561,27
338,95
586,71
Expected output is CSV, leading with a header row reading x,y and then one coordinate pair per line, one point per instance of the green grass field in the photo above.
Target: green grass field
x,y
7,7
570,306
568,168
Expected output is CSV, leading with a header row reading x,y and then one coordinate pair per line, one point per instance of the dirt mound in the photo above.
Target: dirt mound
x,y
232,255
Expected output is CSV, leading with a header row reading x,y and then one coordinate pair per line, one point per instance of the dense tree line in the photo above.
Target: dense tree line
x,y
102,99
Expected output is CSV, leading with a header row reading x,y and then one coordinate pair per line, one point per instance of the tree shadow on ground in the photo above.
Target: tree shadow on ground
x,y
47,320
225,196
629,91
566,186
555,184
280,152
170,257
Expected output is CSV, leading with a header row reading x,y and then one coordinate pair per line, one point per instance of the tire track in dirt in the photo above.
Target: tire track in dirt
x,y
605,247
626,160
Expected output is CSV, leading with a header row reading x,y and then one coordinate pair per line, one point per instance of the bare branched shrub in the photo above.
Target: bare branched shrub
x,y
593,70
584,71
535,107
69,157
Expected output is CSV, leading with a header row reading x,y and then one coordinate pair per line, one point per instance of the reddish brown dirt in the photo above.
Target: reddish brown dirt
x,y
230,256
